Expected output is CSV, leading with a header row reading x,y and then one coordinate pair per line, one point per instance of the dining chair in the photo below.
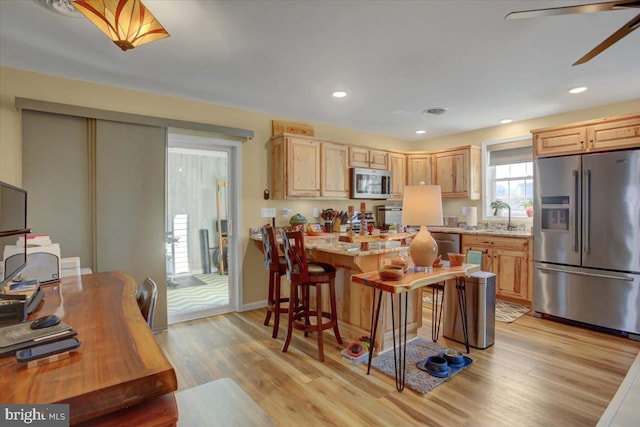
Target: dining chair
x,y
304,275
146,296
277,267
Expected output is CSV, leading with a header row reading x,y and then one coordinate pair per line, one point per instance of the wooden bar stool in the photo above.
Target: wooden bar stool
x,y
277,267
304,275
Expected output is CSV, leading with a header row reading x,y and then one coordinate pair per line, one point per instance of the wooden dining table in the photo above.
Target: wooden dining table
x,y
414,278
119,371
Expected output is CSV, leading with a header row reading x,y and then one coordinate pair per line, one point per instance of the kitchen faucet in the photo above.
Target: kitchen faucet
x,y
505,205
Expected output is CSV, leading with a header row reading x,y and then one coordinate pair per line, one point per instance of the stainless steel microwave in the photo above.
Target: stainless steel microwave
x,y
370,183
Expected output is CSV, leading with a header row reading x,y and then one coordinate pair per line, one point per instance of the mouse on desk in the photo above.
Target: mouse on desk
x,y
45,321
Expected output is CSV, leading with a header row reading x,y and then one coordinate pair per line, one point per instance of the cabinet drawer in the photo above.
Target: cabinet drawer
x,y
509,243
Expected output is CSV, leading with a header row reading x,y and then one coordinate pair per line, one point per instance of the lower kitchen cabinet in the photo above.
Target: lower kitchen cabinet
x,y
510,259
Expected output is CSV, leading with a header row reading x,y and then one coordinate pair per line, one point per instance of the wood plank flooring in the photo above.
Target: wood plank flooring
x,y
538,373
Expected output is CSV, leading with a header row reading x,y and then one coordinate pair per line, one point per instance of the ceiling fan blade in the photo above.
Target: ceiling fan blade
x,y
582,8
613,38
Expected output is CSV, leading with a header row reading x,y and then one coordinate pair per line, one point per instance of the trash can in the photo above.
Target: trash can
x,y
480,291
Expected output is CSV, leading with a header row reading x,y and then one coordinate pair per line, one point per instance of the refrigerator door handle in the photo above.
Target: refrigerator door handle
x,y
583,273
576,178
587,211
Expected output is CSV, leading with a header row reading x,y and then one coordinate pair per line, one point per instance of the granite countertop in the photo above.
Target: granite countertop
x,y
330,243
520,232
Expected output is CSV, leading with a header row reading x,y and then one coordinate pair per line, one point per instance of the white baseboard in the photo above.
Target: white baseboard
x,y
253,305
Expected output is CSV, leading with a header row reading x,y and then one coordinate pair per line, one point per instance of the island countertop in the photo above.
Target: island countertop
x,y
330,242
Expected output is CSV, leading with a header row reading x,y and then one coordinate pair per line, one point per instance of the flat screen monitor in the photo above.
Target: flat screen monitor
x,y
13,224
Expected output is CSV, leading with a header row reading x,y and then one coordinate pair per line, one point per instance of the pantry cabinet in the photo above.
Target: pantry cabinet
x,y
591,136
419,169
397,164
457,172
360,157
510,259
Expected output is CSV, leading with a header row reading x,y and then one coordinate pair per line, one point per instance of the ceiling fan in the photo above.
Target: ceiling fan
x,y
589,8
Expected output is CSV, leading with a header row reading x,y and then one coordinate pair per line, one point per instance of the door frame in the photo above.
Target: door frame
x,y
181,138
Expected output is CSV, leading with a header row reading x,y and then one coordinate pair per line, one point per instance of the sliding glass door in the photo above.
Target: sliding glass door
x,y
201,278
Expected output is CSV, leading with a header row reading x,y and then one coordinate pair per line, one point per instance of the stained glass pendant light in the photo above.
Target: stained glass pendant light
x,y
127,22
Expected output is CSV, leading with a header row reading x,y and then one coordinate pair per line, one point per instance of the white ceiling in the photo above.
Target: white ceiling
x,y
394,58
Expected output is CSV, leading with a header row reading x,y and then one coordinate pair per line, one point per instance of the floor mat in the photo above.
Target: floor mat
x,y
417,350
187,281
506,312
213,292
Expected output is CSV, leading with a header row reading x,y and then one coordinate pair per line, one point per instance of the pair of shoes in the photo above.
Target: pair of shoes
x,y
438,366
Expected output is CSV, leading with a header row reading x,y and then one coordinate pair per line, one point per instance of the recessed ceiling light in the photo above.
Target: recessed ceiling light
x,y
421,131
339,94
435,111
505,121
578,89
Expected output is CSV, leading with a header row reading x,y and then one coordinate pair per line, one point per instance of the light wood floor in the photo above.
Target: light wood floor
x,y
538,373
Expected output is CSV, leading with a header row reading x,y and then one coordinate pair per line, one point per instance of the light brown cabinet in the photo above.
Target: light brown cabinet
x,y
397,167
334,175
419,169
360,157
510,259
306,168
595,135
457,172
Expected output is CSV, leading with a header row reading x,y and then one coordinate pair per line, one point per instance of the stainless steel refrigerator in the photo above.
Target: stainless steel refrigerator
x,y
587,239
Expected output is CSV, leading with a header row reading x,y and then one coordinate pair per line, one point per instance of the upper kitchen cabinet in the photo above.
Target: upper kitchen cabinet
x,y
457,172
614,134
419,169
559,141
304,168
295,167
360,157
397,163
334,173
595,135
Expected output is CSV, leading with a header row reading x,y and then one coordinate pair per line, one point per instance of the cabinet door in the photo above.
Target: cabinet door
x,y
419,169
561,141
451,173
397,167
615,134
487,260
512,273
334,177
378,159
358,157
303,168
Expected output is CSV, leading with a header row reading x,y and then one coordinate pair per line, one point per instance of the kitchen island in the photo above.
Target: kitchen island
x,y
354,301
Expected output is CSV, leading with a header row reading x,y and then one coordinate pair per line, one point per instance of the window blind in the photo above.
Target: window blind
x,y
510,152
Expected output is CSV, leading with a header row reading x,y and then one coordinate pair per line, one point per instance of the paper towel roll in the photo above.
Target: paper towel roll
x,y
472,216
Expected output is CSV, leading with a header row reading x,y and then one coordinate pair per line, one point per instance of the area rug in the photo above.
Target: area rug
x,y
417,350
187,281
212,292
506,312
